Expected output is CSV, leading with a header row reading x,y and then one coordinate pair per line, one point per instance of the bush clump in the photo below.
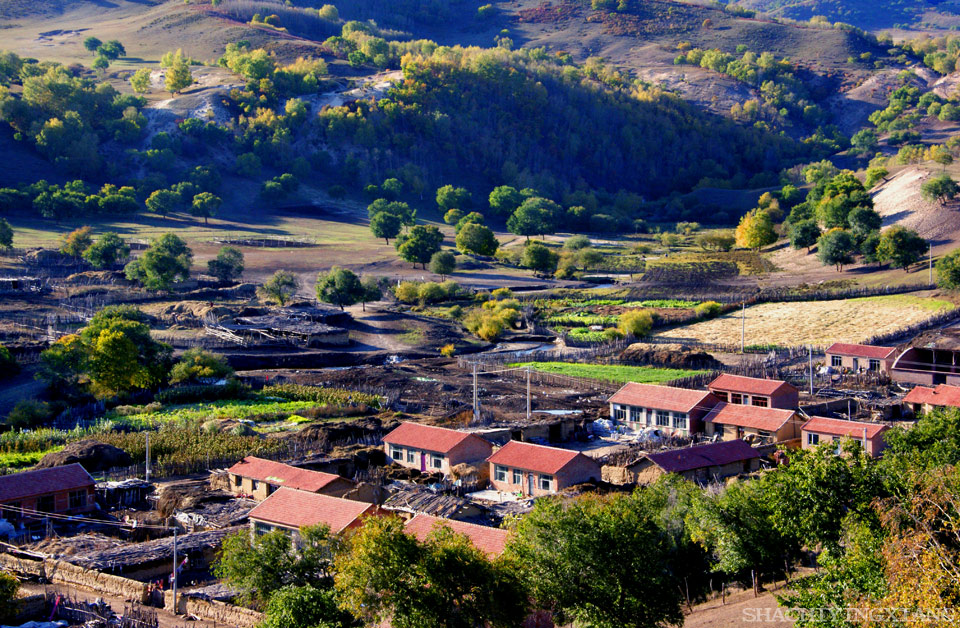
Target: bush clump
x,y
707,309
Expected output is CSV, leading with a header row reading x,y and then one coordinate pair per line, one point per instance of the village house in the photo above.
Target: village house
x,y
729,421
922,399
534,470
259,478
289,510
434,449
671,410
66,490
490,541
753,391
933,358
700,463
841,355
826,430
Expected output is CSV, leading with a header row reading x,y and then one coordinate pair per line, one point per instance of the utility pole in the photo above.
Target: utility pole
x,y
810,347
476,410
528,393
175,610
743,326
930,262
148,457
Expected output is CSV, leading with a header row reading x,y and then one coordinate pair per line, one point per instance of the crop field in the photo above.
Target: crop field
x,y
610,372
819,323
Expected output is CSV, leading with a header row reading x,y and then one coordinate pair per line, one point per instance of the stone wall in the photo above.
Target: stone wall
x,y
212,610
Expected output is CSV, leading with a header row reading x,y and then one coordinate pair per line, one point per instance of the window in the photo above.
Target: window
x,y
545,482
45,503
680,421
736,398
270,489
517,477
874,365
763,434
722,396
760,402
856,364
619,414
78,499
396,453
436,461
636,415
254,485
663,418
813,439
260,528
238,480
836,360
500,473
411,456
718,429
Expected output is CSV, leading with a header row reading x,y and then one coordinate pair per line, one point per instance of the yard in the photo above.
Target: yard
x,y
819,323
610,372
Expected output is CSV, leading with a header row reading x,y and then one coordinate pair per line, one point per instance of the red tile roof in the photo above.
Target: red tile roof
x,y
942,395
538,458
840,427
44,481
294,509
700,456
281,474
749,385
861,351
427,437
663,397
754,417
490,541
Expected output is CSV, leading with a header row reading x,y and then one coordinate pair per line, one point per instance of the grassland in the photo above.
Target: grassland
x,y
818,323
610,372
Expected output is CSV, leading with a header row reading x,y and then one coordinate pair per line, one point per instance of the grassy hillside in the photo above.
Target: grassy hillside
x,y
862,13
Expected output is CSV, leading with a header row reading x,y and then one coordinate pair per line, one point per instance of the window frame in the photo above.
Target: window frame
x,y
78,499
836,361
411,456
813,439
874,365
517,477
499,473
396,452
681,421
663,418
545,482
436,461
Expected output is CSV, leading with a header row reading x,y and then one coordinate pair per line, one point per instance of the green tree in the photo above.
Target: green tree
x,y
392,187
29,414
869,248
227,265
76,242
755,230
371,291
8,363
948,270
121,355
836,248
166,260
340,287
453,216
400,209
92,43
804,234
539,258
280,288
636,323
839,197
63,364
162,202
9,586
535,216
473,218
941,188
419,245
901,246
6,234
305,606
101,63
205,204
385,225
196,364
178,74
112,50
864,142
443,263
863,221
444,582
504,200
477,239
561,541
449,197
140,81
109,249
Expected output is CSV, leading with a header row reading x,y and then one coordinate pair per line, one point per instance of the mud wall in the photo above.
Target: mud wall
x,y
212,610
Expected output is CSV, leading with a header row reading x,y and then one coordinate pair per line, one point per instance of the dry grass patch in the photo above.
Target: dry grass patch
x,y
820,323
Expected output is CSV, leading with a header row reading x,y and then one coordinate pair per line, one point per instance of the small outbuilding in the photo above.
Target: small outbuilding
x,y
259,478
729,421
428,448
858,358
30,495
923,399
488,540
821,429
289,510
700,463
535,470
755,391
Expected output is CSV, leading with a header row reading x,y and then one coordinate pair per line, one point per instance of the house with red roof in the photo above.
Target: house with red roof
x,y
842,355
755,391
434,449
672,410
821,429
65,490
729,421
923,399
490,541
259,478
289,510
535,470
701,463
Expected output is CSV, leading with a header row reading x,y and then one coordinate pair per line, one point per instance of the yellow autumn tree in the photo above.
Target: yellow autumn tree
x,y
755,230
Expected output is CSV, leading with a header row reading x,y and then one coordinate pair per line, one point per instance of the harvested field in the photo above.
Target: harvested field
x,y
818,323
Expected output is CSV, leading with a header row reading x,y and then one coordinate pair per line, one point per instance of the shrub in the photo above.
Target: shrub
x,y
197,364
234,389
8,363
447,351
9,585
636,323
31,413
707,309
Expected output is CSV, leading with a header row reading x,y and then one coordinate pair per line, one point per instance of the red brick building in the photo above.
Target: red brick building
x,y
434,449
535,470
923,399
66,490
842,355
671,410
259,478
490,541
821,429
289,510
754,391
729,421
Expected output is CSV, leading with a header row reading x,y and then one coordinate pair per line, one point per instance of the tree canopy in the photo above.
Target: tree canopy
x,y
166,260
340,287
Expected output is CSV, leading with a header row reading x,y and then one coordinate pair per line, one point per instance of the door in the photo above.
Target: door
x,y
423,462
529,484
